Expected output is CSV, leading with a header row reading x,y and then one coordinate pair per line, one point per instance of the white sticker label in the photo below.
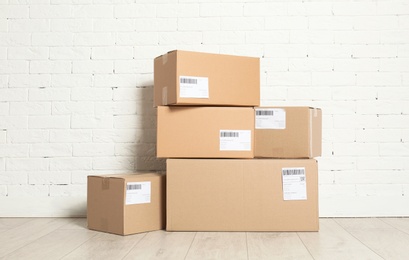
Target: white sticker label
x,y
193,87
294,183
270,118
138,192
235,140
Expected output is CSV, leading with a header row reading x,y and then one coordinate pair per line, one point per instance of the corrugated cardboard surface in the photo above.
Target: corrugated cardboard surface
x,y
106,209
238,195
300,139
194,132
233,80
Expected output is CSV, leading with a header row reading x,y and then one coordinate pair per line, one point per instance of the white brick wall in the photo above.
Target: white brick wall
x,y
76,91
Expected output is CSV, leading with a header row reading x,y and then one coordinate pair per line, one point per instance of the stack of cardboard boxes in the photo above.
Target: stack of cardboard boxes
x,y
232,165
221,175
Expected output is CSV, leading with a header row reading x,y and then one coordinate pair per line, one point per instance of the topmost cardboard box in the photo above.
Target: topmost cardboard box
x,y
194,78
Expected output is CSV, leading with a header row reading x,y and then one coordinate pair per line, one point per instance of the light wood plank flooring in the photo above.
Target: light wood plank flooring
x,y
338,238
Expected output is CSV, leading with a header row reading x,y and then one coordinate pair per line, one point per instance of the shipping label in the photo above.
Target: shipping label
x,y
294,183
235,140
193,87
270,118
138,192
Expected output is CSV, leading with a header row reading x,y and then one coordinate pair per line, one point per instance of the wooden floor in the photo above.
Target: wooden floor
x,y
338,238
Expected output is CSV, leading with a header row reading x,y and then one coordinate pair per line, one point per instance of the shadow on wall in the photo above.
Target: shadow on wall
x,y
139,152
145,156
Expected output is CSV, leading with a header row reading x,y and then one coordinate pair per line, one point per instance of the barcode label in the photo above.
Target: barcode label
x,y
235,140
133,186
188,81
229,134
138,192
294,183
295,171
264,113
193,87
270,118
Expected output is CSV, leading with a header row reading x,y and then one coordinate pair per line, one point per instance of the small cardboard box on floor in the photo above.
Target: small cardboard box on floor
x,y
126,204
205,132
287,132
194,78
242,195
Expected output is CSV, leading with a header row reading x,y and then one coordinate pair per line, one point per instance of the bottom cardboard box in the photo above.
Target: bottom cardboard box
x,y
242,195
126,204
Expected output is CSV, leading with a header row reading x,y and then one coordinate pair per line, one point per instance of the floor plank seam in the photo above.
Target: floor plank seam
x,y
28,220
30,242
398,229
302,241
247,247
139,241
190,246
67,254
346,230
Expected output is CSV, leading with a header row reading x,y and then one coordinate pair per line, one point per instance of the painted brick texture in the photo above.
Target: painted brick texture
x,y
76,81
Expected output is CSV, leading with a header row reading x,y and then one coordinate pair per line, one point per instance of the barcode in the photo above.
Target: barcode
x,y
293,172
134,187
229,134
188,80
264,112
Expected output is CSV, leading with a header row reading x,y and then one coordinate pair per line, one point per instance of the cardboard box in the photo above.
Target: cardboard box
x,y
194,78
127,203
205,132
288,132
242,195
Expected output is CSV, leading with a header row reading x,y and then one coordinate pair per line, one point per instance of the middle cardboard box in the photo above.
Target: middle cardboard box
x,y
205,132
